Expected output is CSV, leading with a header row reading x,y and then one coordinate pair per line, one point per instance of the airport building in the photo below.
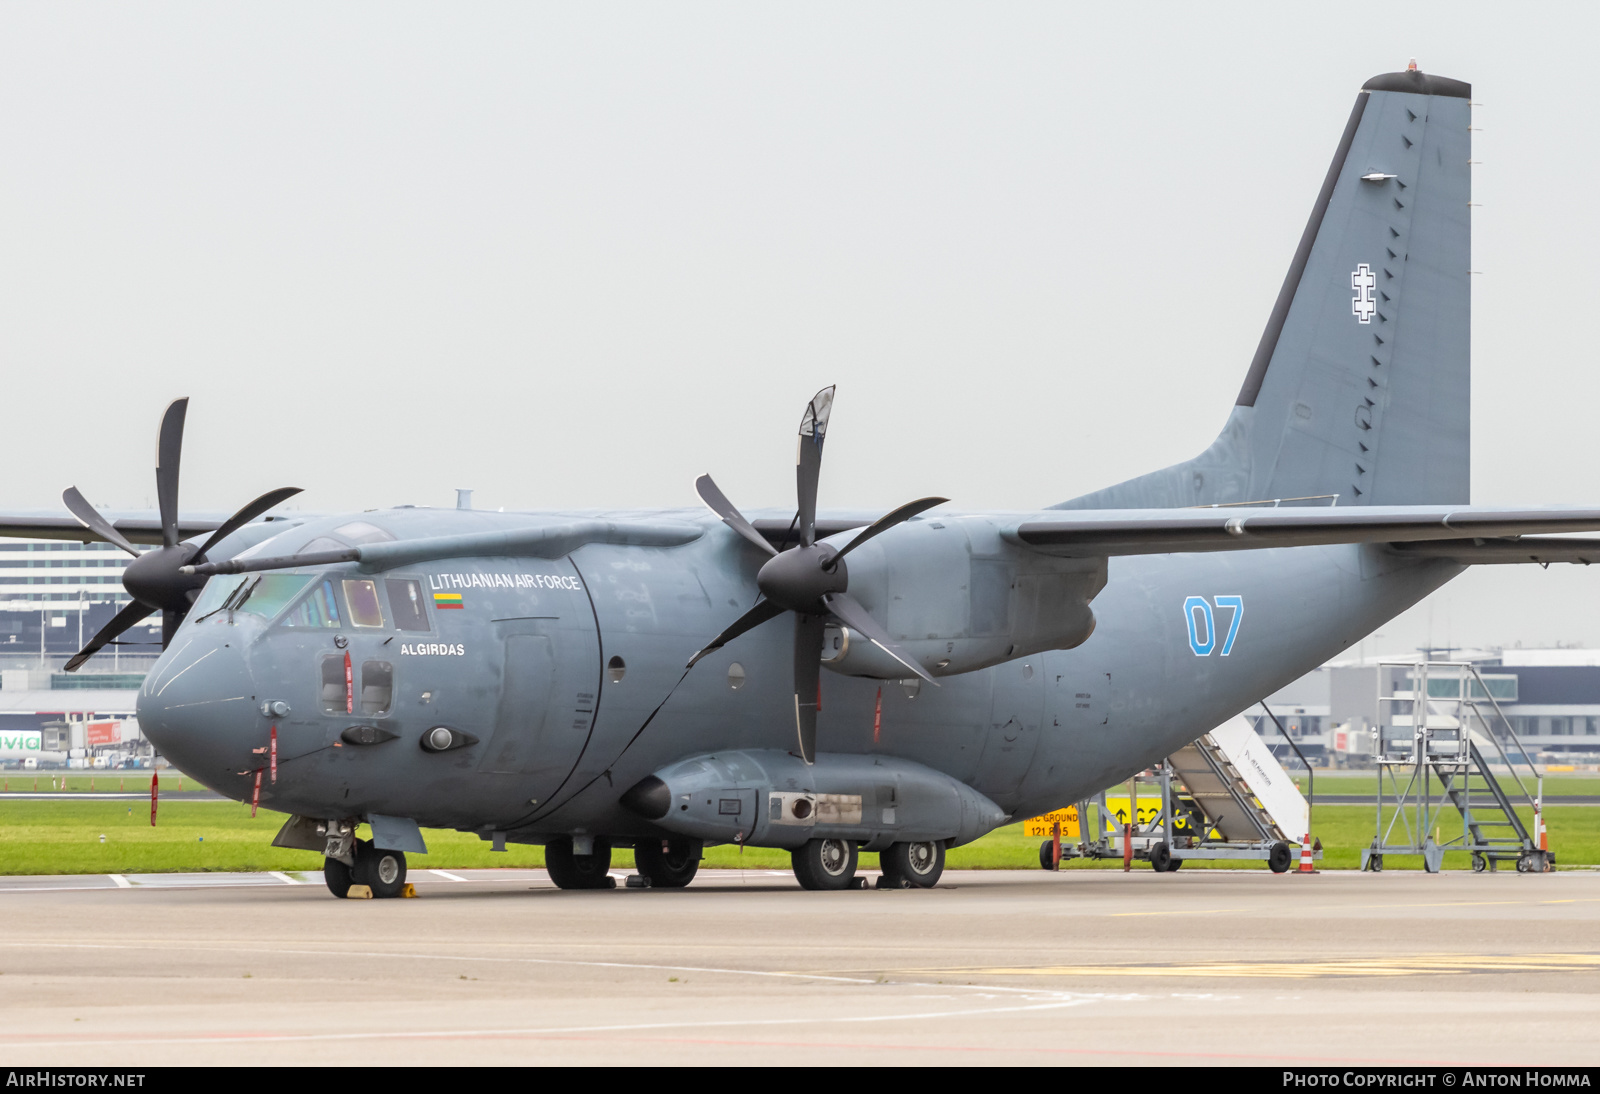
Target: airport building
x,y
54,596
1551,698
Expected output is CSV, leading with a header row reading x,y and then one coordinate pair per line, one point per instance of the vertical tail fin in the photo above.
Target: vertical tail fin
x,y
1360,387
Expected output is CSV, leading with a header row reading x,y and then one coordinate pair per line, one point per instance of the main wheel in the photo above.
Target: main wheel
x,y
825,864
1161,859
337,875
384,872
570,871
1280,858
918,865
668,867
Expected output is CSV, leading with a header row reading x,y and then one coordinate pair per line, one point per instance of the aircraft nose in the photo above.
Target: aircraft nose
x,y
197,706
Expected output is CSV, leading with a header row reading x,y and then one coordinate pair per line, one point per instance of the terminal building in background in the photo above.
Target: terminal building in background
x,y
1551,697
53,597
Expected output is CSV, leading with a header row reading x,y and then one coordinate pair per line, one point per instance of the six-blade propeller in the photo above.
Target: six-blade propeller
x,y
152,578
809,579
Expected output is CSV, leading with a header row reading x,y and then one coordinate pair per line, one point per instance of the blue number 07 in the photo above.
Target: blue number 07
x,y
1203,627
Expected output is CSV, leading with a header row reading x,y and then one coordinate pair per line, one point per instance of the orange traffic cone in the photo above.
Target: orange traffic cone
x,y
1307,866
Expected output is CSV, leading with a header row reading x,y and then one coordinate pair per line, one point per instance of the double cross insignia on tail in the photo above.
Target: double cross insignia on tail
x,y
1365,283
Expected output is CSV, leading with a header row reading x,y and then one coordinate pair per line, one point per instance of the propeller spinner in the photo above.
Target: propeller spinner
x,y
152,579
809,579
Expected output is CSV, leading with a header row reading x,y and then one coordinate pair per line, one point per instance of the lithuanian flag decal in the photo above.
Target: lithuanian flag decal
x,y
447,600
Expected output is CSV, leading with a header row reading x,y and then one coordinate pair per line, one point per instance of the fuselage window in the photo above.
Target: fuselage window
x,y
377,686
361,598
405,604
319,609
335,699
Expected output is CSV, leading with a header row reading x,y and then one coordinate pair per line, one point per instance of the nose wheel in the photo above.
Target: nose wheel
x,y
383,872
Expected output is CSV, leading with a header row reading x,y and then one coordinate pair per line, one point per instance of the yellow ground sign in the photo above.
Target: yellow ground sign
x,y
1044,827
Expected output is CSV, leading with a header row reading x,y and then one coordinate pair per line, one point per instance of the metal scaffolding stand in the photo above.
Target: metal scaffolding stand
x,y
1431,721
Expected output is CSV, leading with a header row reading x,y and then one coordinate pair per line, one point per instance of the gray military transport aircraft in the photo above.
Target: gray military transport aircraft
x,y
834,682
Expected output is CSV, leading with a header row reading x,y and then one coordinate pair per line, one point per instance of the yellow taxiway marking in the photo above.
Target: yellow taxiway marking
x,y
1302,970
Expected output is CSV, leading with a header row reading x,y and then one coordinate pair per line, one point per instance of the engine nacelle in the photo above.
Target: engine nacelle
x,y
767,798
957,596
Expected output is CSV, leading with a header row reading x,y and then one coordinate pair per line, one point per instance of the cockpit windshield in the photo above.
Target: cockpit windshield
x,y
259,594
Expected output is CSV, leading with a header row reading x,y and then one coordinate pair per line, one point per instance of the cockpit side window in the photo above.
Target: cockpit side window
x,y
318,609
406,604
361,597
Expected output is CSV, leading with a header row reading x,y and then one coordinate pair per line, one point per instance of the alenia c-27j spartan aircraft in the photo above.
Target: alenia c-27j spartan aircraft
x,y
523,675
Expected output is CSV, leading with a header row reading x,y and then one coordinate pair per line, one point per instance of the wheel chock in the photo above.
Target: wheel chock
x,y
409,891
638,881
359,892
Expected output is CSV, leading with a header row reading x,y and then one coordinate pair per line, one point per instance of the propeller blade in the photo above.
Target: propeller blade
x,y
890,519
719,504
244,516
748,621
849,611
91,519
808,631
170,622
169,453
126,618
808,461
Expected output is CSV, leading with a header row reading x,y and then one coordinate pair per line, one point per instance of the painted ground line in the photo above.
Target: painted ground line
x,y
447,875
120,881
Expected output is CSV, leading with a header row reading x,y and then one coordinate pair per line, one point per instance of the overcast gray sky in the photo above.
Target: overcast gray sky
x,y
574,255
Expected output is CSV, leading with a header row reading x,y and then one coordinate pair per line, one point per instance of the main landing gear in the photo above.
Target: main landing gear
x,y
383,872
669,864
570,870
824,864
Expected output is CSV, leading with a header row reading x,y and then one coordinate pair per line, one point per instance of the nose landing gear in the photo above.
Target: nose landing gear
x,y
384,872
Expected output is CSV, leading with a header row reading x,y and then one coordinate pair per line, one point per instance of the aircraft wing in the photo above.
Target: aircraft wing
x,y
138,525
1470,535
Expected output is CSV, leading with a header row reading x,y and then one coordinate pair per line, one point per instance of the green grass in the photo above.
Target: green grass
x,y
1365,782
63,837
98,782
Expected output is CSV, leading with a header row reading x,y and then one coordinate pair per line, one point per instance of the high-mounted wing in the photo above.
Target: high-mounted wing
x,y
1090,534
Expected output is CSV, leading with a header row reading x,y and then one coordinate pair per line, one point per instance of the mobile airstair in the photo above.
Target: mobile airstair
x,y
1224,796
1440,735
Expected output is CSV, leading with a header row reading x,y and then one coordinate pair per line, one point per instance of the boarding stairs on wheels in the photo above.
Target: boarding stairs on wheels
x,y
1224,796
1439,737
